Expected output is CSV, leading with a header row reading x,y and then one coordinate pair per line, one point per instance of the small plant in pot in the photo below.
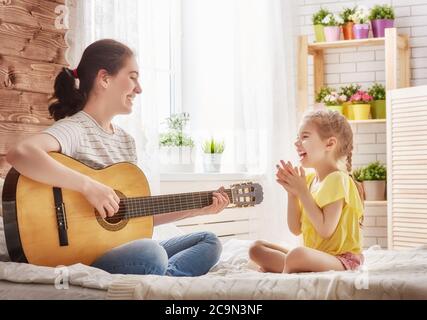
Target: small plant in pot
x,y
361,105
347,27
373,177
176,147
361,22
334,101
320,96
317,24
382,17
348,91
378,107
332,27
212,153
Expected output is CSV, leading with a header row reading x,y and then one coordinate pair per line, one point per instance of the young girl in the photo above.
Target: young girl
x,y
108,83
325,206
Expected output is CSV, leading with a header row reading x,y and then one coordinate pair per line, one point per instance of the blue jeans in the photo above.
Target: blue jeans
x,y
185,256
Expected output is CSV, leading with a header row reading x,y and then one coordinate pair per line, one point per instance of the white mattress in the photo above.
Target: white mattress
x,y
37,291
385,275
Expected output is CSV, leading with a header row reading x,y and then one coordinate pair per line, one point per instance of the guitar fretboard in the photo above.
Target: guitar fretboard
x,y
153,205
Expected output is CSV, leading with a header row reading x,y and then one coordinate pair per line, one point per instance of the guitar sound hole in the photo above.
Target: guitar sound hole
x,y
114,219
116,222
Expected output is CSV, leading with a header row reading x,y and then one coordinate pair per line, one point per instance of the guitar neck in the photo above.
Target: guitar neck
x,y
153,205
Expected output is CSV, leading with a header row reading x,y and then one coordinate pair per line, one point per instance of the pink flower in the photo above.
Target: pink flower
x,y
361,96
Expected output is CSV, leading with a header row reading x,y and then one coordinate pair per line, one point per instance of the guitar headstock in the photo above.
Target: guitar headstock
x,y
246,194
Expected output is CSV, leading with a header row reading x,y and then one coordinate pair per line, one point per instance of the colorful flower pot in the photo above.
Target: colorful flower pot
x,y
347,30
378,109
339,109
348,110
361,111
379,26
361,31
332,33
374,190
319,33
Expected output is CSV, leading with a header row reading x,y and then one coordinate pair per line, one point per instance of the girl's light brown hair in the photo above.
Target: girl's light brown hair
x,y
333,124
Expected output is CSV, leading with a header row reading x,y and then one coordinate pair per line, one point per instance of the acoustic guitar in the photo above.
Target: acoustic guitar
x,y
50,226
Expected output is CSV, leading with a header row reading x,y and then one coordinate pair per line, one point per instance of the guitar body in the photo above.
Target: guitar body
x,y
31,223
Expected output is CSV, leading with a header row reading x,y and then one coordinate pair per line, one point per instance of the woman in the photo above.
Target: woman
x,y
108,83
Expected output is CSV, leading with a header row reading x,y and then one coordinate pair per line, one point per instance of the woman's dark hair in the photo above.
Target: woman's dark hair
x,y
69,99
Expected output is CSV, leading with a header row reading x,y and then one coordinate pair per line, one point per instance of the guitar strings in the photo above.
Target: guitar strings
x,y
132,207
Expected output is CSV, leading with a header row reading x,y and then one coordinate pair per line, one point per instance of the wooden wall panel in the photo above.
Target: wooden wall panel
x,y
27,75
32,43
32,52
24,107
33,13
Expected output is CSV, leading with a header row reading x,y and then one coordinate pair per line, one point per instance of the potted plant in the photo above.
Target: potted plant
x,y
212,152
361,22
360,105
348,91
334,101
318,26
381,16
176,147
378,108
332,27
320,96
373,177
347,27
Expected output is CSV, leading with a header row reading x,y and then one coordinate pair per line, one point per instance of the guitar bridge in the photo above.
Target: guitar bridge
x,y
61,217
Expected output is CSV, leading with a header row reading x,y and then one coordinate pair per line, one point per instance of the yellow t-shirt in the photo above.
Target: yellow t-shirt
x,y
347,236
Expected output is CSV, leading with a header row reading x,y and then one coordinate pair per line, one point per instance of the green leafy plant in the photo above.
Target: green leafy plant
x,y
357,174
377,91
381,12
176,137
212,146
373,171
349,90
324,91
347,14
319,16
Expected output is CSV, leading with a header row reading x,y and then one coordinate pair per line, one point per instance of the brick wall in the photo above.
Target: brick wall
x,y
375,225
365,65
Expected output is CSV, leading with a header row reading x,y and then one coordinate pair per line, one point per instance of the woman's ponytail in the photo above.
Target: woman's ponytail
x,y
68,99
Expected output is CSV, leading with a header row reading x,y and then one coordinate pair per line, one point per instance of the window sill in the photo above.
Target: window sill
x,y
202,176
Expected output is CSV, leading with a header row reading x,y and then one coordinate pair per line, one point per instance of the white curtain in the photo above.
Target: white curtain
x,y
265,112
134,24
